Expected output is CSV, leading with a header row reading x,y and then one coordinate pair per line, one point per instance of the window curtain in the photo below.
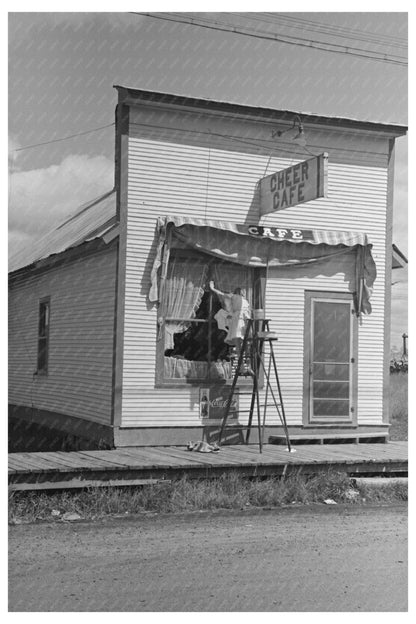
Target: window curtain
x,y
183,291
228,278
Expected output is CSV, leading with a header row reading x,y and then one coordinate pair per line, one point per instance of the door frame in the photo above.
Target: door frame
x,y
310,296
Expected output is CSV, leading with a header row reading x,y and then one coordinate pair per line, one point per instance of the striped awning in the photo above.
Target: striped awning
x,y
292,235
264,246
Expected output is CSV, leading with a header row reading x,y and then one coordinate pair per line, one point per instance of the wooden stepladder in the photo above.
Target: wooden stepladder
x,y
251,362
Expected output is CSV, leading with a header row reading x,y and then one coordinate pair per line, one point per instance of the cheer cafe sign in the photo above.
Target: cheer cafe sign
x,y
298,184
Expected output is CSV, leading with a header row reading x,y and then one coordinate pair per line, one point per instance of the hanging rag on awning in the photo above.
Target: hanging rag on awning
x,y
263,246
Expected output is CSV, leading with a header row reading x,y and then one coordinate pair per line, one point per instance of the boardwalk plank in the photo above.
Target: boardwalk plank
x,y
215,458
109,458
134,460
321,455
183,458
249,450
70,464
148,458
266,458
304,456
353,452
71,460
17,464
271,456
88,459
172,454
89,462
331,452
25,463
240,457
157,460
37,462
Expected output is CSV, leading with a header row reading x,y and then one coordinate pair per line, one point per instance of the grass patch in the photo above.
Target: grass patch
x,y
399,406
394,492
230,491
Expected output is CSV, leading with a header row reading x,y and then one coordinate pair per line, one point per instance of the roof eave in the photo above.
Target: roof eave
x,y
131,96
86,248
399,260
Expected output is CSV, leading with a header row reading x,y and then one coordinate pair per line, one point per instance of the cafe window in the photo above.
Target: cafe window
x,y
43,336
193,333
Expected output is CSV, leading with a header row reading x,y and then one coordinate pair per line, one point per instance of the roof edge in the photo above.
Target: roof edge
x,y
131,96
399,258
83,249
58,240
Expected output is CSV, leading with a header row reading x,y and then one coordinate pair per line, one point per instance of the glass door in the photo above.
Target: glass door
x,y
330,370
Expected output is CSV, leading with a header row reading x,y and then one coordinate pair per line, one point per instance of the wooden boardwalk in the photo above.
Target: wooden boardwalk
x,y
134,465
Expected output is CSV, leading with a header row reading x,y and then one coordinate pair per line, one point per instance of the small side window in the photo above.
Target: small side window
x,y
43,336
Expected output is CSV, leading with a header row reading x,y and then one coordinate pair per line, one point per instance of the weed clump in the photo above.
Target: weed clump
x,y
395,491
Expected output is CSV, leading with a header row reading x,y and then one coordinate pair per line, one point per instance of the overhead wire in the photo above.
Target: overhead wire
x,y
70,136
265,142
331,29
281,38
295,37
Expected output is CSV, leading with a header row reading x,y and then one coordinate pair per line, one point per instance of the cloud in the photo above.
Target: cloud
x,y
13,144
40,199
13,154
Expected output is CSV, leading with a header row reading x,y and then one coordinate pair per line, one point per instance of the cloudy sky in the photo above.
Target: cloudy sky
x,y
62,68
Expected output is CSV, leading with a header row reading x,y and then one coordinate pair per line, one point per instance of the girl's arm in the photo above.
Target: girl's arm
x,y
211,285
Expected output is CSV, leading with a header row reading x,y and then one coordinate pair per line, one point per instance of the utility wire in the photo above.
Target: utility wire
x,y
336,31
255,32
286,39
265,143
71,136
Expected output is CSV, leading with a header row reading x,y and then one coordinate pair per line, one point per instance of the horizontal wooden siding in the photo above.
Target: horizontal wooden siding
x,y
206,174
79,379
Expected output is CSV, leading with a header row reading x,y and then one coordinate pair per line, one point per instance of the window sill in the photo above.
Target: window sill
x,y
185,383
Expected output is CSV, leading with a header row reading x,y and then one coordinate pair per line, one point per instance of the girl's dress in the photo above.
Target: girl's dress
x,y
238,312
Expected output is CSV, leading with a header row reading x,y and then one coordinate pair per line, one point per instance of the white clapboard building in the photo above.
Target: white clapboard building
x,y
115,334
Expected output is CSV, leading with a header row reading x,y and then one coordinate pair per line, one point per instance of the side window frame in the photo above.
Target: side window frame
x,y
44,315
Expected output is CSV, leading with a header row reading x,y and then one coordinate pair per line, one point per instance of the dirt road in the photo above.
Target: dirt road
x,y
316,558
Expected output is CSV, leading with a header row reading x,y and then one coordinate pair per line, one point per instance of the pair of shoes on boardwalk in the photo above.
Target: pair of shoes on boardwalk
x,y
203,447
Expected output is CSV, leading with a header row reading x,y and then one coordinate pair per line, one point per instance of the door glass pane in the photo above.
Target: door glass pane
x,y
331,409
330,389
336,372
331,332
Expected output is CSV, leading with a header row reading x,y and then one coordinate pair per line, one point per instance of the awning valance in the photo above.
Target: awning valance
x,y
263,246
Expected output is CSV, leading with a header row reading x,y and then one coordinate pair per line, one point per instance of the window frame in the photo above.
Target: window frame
x,y
42,368
257,281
